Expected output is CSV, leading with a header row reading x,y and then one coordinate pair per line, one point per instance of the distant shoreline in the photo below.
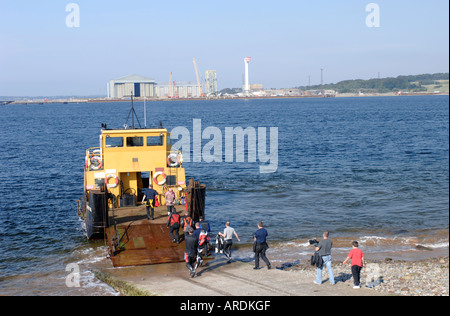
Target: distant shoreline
x,y
107,100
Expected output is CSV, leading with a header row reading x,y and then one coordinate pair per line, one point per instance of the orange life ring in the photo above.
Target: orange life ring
x,y
96,163
116,181
155,178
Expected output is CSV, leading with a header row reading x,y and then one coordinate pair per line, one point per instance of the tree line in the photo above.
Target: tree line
x,y
412,83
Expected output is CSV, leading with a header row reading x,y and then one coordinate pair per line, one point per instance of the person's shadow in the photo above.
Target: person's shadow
x,y
212,265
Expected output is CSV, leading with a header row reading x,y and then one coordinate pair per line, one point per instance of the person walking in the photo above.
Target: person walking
x,y
260,239
187,222
170,201
324,249
228,240
357,262
190,252
174,222
150,196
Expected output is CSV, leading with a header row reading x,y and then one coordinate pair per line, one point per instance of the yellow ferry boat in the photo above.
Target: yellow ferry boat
x,y
115,174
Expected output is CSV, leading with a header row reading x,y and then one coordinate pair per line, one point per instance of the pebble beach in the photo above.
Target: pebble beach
x,y
428,277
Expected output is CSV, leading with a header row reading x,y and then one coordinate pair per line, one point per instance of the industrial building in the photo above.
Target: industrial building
x,y
177,90
141,87
135,85
211,82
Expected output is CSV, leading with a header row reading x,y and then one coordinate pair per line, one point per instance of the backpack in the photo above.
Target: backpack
x,y
203,238
187,221
174,219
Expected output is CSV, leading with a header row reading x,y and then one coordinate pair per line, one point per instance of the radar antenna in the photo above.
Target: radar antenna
x,y
132,114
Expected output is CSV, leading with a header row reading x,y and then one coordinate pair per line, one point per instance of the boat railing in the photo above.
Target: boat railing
x,y
94,159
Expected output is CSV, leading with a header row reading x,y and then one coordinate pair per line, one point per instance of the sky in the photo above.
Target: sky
x,y
290,41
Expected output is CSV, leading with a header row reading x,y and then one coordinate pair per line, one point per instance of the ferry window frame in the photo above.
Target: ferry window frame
x,y
159,138
135,141
120,144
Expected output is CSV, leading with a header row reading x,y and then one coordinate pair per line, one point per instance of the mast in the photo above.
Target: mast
x,y
133,114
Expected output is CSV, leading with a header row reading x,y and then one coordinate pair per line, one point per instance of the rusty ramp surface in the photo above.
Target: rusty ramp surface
x,y
142,243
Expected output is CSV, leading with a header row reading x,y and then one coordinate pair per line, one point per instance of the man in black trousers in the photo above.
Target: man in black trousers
x,y
190,254
261,246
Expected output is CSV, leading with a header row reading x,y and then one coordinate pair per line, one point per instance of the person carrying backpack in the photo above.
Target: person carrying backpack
x,y
174,223
187,222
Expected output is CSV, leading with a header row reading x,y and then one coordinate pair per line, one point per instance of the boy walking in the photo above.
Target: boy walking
x,y
357,261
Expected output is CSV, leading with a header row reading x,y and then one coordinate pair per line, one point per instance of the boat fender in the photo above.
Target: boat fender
x,y
116,181
155,178
87,162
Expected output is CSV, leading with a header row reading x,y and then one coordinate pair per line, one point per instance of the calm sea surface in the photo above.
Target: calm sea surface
x,y
369,169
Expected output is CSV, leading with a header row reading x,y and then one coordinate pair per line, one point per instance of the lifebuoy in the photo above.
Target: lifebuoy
x,y
155,178
172,160
116,180
96,163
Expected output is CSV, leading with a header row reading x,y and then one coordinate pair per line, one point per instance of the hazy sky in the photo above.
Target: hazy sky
x,y
287,40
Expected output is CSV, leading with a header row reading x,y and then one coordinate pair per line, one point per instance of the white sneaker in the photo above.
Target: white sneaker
x,y
316,283
357,287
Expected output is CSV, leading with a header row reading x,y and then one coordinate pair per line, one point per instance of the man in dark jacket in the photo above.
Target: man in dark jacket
x,y
174,222
191,244
149,198
261,246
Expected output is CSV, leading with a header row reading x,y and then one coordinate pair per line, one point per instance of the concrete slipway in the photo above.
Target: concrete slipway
x,y
217,278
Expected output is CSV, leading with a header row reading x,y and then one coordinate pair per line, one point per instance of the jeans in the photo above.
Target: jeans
x,y
326,262
227,248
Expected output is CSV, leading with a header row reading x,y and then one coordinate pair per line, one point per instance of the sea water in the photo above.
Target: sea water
x,y
372,169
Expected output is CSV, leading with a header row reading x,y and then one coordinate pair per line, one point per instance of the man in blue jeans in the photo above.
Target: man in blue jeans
x,y
324,249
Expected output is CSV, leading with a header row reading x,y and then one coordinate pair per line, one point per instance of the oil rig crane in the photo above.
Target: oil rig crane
x,y
198,79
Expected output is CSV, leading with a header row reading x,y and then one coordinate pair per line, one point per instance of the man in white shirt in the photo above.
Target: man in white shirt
x,y
228,240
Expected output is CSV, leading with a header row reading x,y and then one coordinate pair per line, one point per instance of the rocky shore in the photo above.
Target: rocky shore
x,y
392,277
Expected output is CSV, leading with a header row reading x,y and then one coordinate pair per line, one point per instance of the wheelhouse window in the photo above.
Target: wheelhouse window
x,y
112,142
155,140
135,141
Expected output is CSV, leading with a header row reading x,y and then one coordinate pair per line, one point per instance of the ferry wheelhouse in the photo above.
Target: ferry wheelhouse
x,y
115,174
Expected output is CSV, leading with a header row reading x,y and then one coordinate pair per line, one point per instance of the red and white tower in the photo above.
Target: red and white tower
x,y
247,85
